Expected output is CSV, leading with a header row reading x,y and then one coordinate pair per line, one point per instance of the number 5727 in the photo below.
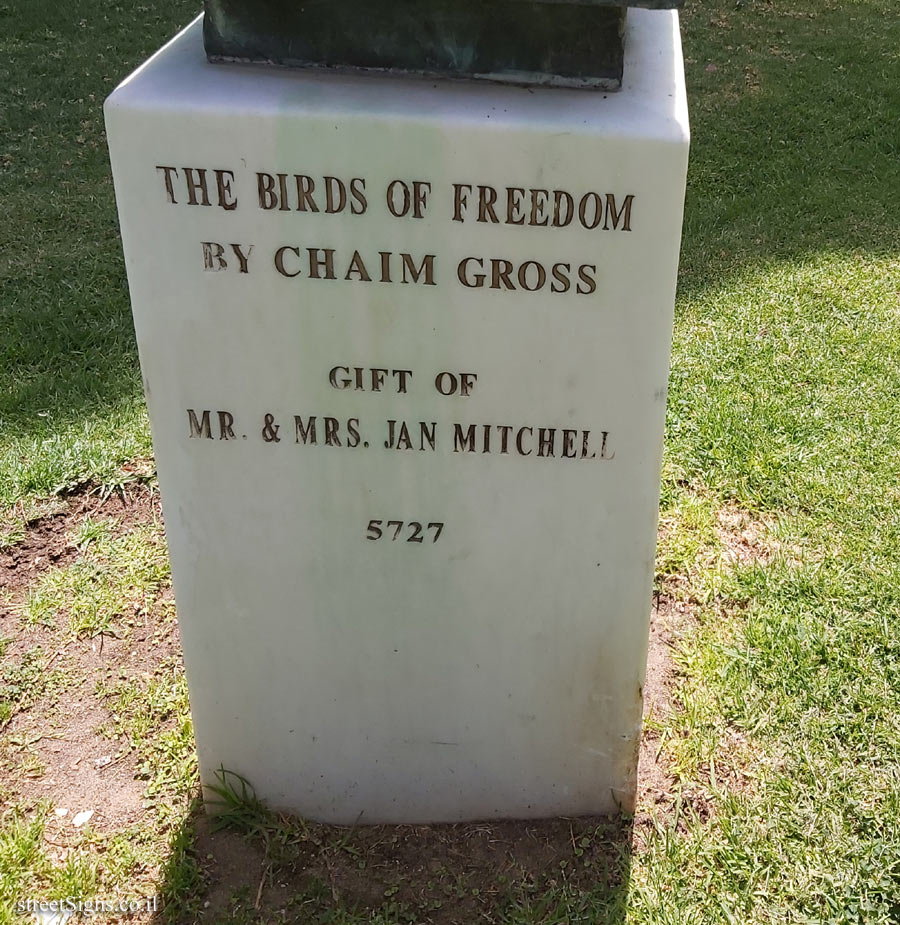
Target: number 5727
x,y
411,531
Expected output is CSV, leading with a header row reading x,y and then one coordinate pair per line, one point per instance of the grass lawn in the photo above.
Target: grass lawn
x,y
771,768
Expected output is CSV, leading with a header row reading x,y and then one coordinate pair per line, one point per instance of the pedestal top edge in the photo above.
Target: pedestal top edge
x,y
179,78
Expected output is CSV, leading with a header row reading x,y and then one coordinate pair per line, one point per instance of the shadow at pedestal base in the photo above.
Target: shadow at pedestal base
x,y
281,869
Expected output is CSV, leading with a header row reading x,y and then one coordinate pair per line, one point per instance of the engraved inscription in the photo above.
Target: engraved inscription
x,y
413,531
541,441
573,275
403,199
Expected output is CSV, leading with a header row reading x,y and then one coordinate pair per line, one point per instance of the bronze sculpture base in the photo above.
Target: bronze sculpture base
x,y
560,43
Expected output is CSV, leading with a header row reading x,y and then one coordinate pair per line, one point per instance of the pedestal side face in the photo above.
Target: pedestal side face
x,y
406,373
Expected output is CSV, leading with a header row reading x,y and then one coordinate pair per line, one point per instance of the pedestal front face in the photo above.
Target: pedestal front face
x,y
405,347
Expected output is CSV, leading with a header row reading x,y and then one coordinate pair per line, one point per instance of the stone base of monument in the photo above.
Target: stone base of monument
x,y
405,347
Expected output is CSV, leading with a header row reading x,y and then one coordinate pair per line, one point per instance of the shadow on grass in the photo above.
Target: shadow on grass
x,y
70,389
790,243
557,870
795,139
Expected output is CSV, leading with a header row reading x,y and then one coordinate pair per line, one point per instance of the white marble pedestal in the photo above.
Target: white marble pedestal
x,y
405,346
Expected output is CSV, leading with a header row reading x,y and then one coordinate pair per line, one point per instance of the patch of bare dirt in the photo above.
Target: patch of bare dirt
x,y
53,748
656,785
745,538
234,864
47,539
79,770
44,546
439,874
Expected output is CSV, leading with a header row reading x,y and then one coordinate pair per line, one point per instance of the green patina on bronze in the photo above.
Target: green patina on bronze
x,y
565,42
